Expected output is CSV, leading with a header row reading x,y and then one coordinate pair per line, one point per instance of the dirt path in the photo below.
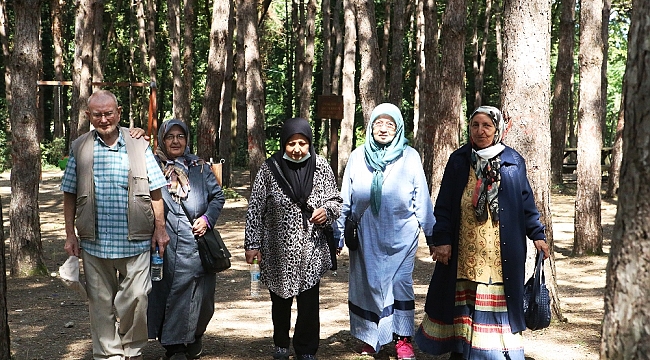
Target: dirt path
x,y
48,321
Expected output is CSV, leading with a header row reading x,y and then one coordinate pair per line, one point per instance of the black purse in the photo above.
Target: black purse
x,y
537,302
214,255
350,231
350,234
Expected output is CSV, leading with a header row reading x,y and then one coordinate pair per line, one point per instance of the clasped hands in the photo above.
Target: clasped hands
x,y
442,253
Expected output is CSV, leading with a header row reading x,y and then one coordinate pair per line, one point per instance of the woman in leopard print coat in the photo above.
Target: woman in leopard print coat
x,y
294,199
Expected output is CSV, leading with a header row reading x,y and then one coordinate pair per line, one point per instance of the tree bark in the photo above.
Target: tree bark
x,y
98,35
338,48
525,103
4,40
625,331
241,141
588,237
5,343
174,29
82,72
369,55
210,119
613,178
482,57
189,19
25,246
349,97
59,63
443,127
307,65
225,134
254,87
397,53
562,88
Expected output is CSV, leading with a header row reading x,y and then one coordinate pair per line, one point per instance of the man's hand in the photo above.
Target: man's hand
x,y
160,239
137,133
72,245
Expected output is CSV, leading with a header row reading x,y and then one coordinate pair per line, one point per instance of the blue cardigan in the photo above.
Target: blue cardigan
x,y
518,219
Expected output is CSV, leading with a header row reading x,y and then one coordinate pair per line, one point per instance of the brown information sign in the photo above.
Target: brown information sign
x,y
329,107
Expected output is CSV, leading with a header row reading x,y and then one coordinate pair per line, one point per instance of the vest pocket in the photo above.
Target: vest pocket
x,y
84,219
141,221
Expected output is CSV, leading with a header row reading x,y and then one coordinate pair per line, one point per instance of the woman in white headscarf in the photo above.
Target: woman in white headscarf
x,y
385,190
485,210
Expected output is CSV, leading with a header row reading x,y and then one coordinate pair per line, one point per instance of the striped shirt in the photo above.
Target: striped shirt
x,y
110,176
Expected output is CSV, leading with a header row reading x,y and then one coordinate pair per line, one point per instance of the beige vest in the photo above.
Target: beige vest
x,y
140,213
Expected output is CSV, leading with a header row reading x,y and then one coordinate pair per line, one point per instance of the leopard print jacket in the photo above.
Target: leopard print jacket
x,y
293,259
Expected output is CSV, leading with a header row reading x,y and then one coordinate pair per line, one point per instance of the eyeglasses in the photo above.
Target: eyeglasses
x,y
108,115
389,125
172,137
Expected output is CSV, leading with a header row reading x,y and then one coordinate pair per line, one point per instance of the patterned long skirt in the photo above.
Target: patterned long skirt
x,y
481,329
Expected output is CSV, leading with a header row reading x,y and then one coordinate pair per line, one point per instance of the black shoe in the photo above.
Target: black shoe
x,y
195,349
281,353
456,356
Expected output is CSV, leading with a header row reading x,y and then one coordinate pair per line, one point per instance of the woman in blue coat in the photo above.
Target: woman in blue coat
x,y
182,303
484,212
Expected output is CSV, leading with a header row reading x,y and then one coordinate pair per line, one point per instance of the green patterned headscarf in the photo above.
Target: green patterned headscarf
x,y
379,155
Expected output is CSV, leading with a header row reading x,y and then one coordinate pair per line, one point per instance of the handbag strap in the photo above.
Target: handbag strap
x,y
539,272
186,213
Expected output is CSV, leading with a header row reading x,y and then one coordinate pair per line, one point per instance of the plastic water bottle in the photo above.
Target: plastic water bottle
x,y
255,279
156,266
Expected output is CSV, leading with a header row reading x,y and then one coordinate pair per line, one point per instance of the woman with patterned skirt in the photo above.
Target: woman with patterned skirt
x,y
485,211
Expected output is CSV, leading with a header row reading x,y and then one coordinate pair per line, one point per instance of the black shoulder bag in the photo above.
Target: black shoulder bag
x,y
214,255
537,302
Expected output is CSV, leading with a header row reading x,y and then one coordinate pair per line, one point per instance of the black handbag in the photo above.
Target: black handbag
x,y
537,302
350,234
214,255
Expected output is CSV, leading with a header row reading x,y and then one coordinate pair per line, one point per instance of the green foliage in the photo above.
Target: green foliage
x,y
53,151
5,140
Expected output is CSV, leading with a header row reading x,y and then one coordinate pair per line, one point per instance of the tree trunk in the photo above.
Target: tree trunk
x,y
428,75
307,65
369,54
98,35
338,48
4,39
298,36
562,88
588,237
210,119
625,331
189,19
225,134
482,57
329,148
82,72
5,348
59,63
525,104
447,105
25,246
254,87
384,50
241,141
349,97
604,31
617,154
397,53
174,29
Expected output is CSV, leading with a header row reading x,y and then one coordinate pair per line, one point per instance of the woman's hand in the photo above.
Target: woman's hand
x,y
541,245
318,216
253,254
441,253
199,227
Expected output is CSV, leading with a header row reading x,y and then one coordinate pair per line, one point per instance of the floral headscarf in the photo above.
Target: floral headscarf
x,y
487,167
175,170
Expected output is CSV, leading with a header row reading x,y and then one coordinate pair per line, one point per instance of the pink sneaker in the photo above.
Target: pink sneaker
x,y
404,349
367,350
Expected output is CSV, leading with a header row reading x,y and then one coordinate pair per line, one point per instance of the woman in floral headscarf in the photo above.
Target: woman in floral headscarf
x,y
182,303
384,189
484,210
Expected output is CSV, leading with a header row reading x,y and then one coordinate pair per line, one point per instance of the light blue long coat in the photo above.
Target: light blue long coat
x,y
381,297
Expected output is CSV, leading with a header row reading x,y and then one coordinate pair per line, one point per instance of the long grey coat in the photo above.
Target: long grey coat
x,y
182,304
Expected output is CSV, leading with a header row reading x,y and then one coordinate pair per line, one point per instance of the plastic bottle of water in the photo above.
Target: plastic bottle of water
x,y
156,266
255,279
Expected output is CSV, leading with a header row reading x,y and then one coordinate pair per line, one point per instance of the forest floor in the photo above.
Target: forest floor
x,y
48,321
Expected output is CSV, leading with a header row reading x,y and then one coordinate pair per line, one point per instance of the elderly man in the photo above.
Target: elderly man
x,y
111,195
